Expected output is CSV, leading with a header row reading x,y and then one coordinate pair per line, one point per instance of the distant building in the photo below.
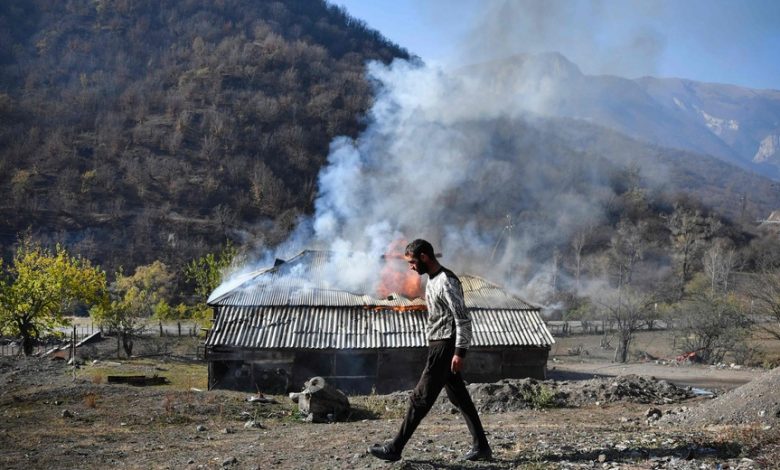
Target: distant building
x,y
275,329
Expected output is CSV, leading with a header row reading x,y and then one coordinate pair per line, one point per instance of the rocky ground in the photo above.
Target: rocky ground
x,y
755,402
54,416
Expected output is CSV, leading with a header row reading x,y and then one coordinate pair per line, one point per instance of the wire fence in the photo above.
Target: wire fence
x,y
592,327
65,336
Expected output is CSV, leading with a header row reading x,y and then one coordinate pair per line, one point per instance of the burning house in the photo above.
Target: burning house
x,y
275,328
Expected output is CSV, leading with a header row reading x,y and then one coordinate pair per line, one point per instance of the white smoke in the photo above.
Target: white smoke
x,y
442,159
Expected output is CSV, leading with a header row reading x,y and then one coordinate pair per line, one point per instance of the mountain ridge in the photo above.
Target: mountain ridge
x,y
736,124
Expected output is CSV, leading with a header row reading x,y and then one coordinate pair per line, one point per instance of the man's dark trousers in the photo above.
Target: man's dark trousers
x,y
437,375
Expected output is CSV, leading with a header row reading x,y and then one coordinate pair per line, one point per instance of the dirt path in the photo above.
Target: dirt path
x,y
692,375
593,361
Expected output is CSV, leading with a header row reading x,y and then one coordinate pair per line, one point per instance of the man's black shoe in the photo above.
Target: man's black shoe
x,y
479,454
384,452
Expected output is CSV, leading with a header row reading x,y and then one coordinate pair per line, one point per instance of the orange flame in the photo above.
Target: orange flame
x,y
400,308
396,277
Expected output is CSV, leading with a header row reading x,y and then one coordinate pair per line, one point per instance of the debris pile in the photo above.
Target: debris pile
x,y
514,394
517,394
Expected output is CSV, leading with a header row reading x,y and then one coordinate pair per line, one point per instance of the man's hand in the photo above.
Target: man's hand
x,y
457,364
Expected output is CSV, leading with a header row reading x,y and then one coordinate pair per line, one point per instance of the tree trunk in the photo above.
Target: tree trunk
x,y
127,344
27,345
621,351
25,331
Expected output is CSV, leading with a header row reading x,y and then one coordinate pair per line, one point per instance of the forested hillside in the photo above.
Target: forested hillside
x,y
133,131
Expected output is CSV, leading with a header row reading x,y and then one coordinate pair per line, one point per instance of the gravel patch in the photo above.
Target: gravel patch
x,y
757,402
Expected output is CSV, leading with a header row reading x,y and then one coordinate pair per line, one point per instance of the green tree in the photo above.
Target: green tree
x,y
207,273
148,290
40,285
134,300
117,317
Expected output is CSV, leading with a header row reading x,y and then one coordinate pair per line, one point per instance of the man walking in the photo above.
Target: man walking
x,y
449,335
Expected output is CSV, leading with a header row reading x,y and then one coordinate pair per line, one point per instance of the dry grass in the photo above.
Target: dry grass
x,y
181,375
377,406
90,400
168,403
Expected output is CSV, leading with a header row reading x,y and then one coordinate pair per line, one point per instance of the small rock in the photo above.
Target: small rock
x,y
653,413
200,428
602,458
229,461
226,431
190,462
67,413
253,424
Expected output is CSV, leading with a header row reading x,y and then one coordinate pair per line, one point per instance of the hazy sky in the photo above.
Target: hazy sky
x,y
724,41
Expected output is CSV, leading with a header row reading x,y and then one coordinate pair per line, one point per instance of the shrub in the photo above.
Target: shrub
x,y
539,397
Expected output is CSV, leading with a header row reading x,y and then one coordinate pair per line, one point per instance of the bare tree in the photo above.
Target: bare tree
x,y
556,261
224,218
689,230
628,309
719,262
711,324
763,291
577,245
627,248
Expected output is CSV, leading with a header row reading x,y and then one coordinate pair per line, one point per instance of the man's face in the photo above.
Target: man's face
x,y
417,263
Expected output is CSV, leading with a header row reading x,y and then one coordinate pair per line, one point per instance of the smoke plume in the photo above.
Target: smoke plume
x,y
465,159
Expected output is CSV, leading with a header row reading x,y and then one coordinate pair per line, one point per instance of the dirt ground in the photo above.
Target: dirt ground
x,y
52,416
592,361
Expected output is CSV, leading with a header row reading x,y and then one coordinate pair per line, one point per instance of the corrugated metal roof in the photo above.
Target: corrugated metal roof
x,y
299,282
296,327
291,306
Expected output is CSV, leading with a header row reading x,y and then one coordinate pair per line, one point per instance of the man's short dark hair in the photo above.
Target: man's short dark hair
x,y
419,246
